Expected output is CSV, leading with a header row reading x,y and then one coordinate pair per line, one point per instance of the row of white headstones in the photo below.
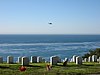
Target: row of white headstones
x,y
76,59
92,58
53,60
23,60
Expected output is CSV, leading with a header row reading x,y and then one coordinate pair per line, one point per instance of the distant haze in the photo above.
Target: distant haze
x,y
34,16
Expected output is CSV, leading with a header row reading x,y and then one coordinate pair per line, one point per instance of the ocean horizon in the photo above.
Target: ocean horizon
x,y
47,45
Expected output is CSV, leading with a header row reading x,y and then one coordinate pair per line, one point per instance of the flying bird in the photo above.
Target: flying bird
x,y
50,23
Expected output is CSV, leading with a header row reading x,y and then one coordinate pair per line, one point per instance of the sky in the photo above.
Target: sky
x,y
33,16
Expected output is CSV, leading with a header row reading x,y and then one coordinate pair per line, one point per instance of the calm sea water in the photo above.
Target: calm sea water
x,y
47,45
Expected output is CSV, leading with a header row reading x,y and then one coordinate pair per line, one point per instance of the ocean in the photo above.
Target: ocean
x,y
47,45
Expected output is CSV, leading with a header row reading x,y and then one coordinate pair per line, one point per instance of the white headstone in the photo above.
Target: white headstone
x,y
99,59
1,59
19,60
10,60
85,59
94,58
82,60
74,58
78,60
25,61
71,60
89,59
63,60
66,59
54,60
39,59
33,59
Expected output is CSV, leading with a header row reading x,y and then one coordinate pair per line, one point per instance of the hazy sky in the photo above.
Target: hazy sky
x,y
32,16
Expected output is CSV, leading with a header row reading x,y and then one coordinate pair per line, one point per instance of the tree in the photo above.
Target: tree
x,y
92,52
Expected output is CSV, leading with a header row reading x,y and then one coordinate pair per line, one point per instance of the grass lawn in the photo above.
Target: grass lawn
x,y
40,69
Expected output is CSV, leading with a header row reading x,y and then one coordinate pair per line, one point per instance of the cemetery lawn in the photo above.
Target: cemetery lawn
x,y
40,69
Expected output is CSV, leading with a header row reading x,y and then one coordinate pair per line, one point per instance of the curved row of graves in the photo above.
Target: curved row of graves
x,y
53,60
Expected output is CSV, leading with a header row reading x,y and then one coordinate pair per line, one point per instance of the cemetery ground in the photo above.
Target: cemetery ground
x,y
86,68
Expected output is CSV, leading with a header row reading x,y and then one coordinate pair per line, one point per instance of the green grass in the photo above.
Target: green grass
x,y
40,69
